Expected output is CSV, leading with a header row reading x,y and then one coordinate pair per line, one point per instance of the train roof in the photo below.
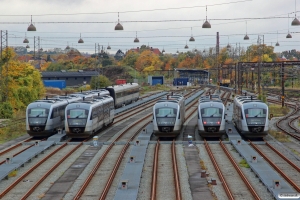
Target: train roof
x,y
123,86
171,98
210,98
94,100
247,99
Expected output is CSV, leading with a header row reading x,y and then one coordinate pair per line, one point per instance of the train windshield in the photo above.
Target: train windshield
x,y
211,112
38,116
255,116
211,116
166,112
165,116
77,117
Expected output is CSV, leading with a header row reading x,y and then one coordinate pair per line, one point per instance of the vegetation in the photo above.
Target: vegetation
x,y
278,110
280,136
243,163
20,84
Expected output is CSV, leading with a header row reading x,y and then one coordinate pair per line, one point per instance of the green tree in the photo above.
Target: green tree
x,y
6,110
99,82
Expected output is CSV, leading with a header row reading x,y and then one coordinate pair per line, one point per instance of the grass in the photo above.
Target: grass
x,y
202,165
13,173
243,163
278,111
150,88
12,132
15,130
280,136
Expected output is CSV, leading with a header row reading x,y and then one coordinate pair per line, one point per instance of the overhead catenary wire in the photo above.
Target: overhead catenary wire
x,y
134,11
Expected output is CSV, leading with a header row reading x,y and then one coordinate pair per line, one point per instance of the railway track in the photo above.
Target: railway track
x,y
282,169
235,186
163,175
141,124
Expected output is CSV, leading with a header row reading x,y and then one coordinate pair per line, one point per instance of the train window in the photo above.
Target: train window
x,y
38,112
211,112
55,113
165,112
77,113
255,112
242,115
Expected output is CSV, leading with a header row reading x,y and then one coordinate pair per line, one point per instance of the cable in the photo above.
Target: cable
x,y
135,11
147,21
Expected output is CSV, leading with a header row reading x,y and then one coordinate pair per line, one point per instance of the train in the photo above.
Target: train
x,y
124,94
84,118
250,116
169,116
46,116
211,116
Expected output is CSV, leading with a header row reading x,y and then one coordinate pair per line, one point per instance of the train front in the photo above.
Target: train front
x,y
257,122
165,123
76,120
211,121
37,115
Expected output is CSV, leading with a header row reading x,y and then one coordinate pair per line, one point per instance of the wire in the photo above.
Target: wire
x,y
147,21
135,11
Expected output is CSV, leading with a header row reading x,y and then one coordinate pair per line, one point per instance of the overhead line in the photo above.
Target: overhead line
x,y
135,11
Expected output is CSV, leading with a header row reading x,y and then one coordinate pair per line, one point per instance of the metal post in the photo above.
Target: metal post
x,y
282,84
217,58
252,69
238,78
235,80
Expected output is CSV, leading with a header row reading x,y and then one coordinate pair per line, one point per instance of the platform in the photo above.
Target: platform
x,y
262,169
133,170
26,156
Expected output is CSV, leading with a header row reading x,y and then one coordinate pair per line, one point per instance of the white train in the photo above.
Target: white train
x,y
250,116
44,117
211,116
84,118
168,116
124,94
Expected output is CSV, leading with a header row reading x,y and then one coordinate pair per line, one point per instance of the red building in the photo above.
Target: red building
x,y
154,50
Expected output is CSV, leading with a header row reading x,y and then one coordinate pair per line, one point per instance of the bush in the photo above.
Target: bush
x,y
6,110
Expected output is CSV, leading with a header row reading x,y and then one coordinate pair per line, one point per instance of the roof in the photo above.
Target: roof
x,y
154,50
63,73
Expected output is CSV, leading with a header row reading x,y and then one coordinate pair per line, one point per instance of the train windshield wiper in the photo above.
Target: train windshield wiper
x,y
213,114
168,114
39,114
257,115
79,115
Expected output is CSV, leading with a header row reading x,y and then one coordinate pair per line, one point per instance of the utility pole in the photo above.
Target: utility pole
x,y
235,78
217,59
4,45
282,84
260,61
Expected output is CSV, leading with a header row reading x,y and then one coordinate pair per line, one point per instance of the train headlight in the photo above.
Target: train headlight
x,y
204,122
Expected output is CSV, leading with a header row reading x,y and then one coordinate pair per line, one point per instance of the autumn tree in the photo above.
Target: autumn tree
x,y
23,83
148,61
99,82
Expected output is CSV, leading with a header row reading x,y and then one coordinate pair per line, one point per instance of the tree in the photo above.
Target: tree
x,y
23,83
6,110
99,82
148,59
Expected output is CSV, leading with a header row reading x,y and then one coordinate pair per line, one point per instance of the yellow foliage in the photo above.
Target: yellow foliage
x,y
13,173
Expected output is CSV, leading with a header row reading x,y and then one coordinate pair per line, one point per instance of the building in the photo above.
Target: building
x,y
154,50
77,78
119,55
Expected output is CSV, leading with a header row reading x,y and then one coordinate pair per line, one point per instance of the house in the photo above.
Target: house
x,y
154,50
119,55
79,77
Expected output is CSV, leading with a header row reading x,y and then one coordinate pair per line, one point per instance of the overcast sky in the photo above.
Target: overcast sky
x,y
147,18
